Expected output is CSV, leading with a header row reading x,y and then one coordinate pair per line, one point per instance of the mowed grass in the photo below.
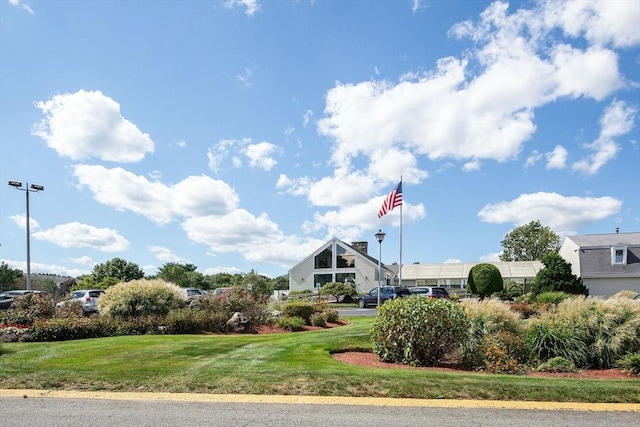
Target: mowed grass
x,y
287,364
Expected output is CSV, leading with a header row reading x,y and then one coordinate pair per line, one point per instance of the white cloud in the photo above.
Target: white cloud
x,y
216,270
85,124
562,213
557,159
296,187
21,221
257,238
77,235
471,166
22,5
250,6
600,22
83,260
165,254
260,155
245,77
533,158
452,261
491,257
618,119
160,203
308,115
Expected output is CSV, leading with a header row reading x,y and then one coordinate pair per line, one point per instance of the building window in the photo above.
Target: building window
x,y
319,280
346,277
323,259
344,258
618,255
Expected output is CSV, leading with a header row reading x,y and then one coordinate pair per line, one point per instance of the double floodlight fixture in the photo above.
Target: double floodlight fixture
x,y
32,187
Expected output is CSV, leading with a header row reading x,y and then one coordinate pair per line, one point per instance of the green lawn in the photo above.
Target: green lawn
x,y
297,363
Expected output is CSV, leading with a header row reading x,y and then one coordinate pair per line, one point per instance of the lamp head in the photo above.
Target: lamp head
x,y
16,184
380,236
37,187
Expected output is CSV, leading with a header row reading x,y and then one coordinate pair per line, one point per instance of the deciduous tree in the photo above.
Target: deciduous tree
x,y
529,242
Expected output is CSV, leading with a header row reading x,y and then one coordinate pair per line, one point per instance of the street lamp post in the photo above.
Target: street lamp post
x,y
34,188
380,237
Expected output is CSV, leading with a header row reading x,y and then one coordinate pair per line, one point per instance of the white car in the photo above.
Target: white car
x,y
89,298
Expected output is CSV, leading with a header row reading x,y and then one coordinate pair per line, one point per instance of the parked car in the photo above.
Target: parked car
x,y
429,292
88,297
6,298
192,293
386,293
221,291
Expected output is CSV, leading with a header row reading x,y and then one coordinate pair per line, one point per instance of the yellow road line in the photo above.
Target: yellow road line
x,y
323,400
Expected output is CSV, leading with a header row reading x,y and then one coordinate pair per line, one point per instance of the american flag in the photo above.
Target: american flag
x,y
393,200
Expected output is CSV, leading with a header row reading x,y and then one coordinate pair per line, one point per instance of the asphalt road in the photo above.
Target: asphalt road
x,y
129,409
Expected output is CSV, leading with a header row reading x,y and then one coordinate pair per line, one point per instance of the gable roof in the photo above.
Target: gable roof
x,y
605,240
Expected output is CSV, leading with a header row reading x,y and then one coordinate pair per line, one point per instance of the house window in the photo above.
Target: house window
x,y
346,277
319,280
344,258
618,255
323,259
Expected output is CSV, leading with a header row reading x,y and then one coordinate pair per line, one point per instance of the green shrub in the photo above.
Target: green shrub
x,y
484,279
418,331
189,321
510,292
223,306
140,298
630,363
318,319
62,329
299,309
71,308
557,364
25,309
551,297
332,315
338,290
293,324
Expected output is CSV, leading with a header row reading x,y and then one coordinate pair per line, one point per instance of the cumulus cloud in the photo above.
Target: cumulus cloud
x,y
158,202
21,221
618,119
481,104
562,213
557,158
260,155
257,238
250,6
165,254
88,124
77,235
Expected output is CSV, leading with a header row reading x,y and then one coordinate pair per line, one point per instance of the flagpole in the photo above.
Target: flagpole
x,y
400,270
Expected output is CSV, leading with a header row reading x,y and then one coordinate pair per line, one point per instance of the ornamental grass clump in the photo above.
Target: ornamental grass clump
x,y
589,331
140,298
490,320
418,331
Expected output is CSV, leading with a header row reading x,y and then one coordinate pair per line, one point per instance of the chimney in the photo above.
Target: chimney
x,y
361,247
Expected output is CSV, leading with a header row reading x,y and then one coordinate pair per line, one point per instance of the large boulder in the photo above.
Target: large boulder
x,y
239,323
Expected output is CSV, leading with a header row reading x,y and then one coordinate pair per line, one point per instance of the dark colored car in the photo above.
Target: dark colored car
x,y
192,293
386,293
6,298
430,292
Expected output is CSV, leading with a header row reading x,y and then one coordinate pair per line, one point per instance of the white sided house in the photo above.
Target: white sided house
x,y
337,261
607,263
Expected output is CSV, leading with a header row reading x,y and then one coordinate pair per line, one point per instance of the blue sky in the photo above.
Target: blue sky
x,y
239,135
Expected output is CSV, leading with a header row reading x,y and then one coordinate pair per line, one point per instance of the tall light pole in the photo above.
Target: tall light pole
x,y
380,237
34,188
